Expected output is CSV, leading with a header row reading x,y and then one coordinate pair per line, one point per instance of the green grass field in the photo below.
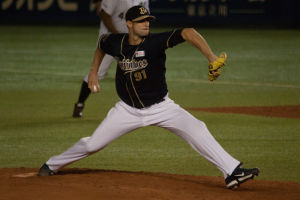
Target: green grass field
x,y
41,69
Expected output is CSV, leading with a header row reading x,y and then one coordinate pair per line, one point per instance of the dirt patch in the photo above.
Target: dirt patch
x,y
86,184
267,111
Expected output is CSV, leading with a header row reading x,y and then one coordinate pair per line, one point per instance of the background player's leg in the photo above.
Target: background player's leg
x,y
85,90
195,132
117,123
106,62
83,95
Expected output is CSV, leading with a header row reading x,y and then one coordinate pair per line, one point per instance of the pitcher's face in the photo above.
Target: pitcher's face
x,y
141,28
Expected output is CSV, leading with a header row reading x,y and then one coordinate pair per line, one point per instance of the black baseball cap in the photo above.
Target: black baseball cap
x,y
138,13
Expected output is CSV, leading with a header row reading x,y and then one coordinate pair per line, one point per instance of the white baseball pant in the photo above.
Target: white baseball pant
x,y
104,66
123,118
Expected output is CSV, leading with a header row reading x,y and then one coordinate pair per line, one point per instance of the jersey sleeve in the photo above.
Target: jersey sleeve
x,y
109,6
111,43
104,43
170,39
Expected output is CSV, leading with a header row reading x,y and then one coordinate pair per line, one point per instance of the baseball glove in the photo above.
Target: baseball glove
x,y
214,68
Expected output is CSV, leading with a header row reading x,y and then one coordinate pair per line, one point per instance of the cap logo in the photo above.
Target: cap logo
x,y
143,11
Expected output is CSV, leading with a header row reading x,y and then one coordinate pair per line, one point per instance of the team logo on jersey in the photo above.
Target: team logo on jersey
x,y
139,54
128,65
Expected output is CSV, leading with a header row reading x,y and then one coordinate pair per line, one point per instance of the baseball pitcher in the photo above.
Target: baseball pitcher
x,y
141,86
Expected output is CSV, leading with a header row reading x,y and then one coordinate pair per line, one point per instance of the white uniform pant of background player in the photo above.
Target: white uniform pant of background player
x,y
122,119
106,62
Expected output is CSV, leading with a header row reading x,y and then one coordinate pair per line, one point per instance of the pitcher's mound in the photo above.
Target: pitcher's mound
x,y
87,184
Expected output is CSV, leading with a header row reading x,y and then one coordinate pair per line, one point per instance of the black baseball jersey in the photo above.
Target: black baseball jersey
x,y
140,76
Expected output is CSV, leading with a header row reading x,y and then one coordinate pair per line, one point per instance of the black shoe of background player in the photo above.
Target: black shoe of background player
x,y
240,175
78,109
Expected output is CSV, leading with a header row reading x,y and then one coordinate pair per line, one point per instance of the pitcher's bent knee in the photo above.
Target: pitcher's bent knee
x,y
196,123
202,124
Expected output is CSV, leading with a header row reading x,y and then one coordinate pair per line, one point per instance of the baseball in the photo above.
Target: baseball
x,y
95,88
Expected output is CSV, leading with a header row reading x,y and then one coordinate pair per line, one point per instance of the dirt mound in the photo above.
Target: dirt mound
x,y
87,184
267,111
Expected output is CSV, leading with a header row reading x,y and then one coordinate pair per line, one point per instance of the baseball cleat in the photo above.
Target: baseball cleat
x,y
78,109
45,171
240,175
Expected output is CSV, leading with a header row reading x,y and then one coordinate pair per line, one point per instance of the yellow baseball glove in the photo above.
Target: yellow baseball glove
x,y
214,68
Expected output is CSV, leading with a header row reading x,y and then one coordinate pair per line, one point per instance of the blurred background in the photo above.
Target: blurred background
x,y
283,13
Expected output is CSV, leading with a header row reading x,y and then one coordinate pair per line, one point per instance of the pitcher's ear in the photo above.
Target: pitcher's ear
x,y
129,24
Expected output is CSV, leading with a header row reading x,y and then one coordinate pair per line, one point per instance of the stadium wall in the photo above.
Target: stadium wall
x,y
172,12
